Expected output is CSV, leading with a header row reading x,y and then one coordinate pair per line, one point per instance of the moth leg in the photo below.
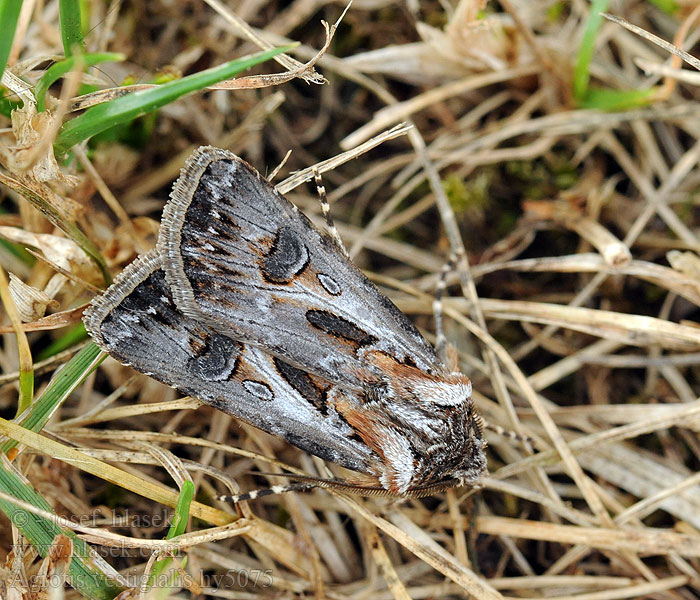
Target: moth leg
x,y
308,483
326,210
441,345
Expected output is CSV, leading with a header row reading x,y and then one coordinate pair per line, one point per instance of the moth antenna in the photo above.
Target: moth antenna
x,y
508,433
326,210
441,340
273,490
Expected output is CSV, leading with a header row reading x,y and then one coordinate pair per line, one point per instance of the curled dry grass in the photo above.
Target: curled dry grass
x,y
574,317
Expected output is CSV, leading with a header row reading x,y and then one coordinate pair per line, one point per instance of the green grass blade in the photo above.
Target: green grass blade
x,y
84,576
70,338
9,13
61,68
26,389
668,6
26,361
616,100
98,118
182,511
7,106
61,386
71,26
582,73
177,527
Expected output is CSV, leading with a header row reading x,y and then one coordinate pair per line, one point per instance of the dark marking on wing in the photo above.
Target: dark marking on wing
x,y
145,307
209,226
157,314
138,322
215,357
408,360
227,300
224,225
339,327
287,258
303,383
203,212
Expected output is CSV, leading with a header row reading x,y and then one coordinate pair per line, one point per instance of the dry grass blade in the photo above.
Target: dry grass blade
x,y
573,309
691,60
430,553
647,541
330,164
245,30
53,321
635,330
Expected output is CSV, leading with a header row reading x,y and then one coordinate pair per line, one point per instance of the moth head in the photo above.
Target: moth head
x,y
458,445
472,466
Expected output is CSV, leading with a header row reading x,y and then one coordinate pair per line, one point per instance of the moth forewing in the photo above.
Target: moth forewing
x,y
242,258
139,324
247,306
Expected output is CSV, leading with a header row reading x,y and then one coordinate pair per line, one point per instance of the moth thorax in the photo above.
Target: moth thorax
x,y
453,390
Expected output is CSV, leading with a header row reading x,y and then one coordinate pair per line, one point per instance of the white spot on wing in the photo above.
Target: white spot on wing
x,y
258,389
329,284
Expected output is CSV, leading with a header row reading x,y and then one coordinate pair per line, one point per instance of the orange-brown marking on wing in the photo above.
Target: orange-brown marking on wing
x,y
407,378
368,425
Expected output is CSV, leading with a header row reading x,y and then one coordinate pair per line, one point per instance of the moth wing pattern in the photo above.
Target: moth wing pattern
x,y
138,323
247,306
241,257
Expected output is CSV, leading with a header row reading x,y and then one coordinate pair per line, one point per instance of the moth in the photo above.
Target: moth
x,y
247,306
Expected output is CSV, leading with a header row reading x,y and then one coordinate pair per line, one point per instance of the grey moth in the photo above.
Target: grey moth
x,y
247,306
